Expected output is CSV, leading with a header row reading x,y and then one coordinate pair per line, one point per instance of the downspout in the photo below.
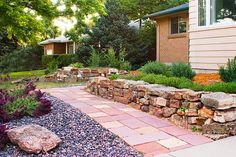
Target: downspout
x,y
66,49
74,47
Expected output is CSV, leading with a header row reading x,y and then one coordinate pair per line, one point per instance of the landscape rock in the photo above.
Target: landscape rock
x,y
178,120
206,112
175,103
167,112
191,112
191,95
158,101
225,116
219,100
33,138
219,128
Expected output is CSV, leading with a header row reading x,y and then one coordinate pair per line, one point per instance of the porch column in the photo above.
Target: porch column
x,y
74,47
66,49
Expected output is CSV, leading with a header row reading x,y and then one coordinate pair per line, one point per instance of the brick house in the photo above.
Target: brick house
x,y
202,33
58,46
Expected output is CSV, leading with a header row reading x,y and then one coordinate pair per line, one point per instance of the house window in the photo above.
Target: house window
x,y
178,25
71,48
212,12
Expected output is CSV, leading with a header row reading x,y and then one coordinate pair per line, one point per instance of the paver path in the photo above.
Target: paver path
x,y
146,133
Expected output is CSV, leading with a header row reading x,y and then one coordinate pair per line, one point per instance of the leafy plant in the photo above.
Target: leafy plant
x,y
156,68
183,108
182,70
25,106
114,77
77,65
3,136
52,66
95,59
228,73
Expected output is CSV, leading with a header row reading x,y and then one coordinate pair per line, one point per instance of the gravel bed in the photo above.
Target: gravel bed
x,y
81,135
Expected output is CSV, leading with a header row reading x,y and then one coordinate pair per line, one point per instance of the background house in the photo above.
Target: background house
x,y
172,34
202,33
59,45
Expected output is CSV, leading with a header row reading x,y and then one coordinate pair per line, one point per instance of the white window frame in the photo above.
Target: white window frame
x,y
208,16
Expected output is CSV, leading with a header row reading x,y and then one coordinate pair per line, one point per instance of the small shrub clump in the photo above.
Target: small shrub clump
x,y
156,68
228,73
77,65
182,70
114,77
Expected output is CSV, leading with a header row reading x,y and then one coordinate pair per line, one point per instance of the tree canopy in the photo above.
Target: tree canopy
x,y
26,20
138,8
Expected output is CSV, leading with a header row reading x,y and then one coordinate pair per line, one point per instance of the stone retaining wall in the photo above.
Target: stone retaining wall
x,y
212,113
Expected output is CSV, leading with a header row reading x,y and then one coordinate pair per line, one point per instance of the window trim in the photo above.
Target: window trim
x,y
208,17
177,35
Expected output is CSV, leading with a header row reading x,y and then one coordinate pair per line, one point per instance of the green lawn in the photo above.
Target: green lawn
x,y
40,85
25,74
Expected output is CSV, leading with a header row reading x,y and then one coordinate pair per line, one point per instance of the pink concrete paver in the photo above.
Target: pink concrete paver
x,y
146,133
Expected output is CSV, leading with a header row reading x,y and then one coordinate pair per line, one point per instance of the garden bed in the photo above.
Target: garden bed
x,y
212,113
80,134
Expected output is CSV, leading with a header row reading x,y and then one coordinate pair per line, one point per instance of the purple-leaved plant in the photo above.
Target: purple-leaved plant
x,y
3,136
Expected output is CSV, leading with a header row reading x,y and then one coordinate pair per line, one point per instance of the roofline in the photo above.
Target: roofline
x,y
180,8
52,42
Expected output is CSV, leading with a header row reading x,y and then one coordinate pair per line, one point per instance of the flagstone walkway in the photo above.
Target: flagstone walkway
x,y
148,134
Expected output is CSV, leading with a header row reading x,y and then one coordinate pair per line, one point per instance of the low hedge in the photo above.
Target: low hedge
x,y
62,60
182,83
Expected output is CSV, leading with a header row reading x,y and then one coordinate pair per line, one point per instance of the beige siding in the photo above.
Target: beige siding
x,y
210,47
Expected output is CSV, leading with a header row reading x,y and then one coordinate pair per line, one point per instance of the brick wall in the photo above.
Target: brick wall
x,y
172,48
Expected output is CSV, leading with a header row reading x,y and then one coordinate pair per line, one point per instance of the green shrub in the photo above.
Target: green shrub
x,y
182,70
22,59
228,74
111,59
47,59
114,77
77,65
27,104
52,67
156,68
62,60
65,60
95,60
125,66
222,87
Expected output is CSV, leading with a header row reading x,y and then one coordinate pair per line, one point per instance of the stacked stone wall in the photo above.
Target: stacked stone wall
x,y
212,113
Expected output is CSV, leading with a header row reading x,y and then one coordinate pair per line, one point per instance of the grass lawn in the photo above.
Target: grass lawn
x,y
40,85
25,74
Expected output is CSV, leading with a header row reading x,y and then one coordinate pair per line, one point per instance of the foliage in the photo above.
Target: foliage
x,y
21,107
229,87
83,54
65,60
26,21
23,59
22,102
228,73
3,136
132,7
113,31
77,65
60,60
156,68
95,60
52,66
114,77
182,70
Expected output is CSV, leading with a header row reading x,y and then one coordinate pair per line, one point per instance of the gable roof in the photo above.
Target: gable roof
x,y
179,8
61,39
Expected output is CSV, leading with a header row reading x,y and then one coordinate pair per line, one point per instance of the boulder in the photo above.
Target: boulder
x,y
179,120
225,116
191,112
33,138
219,100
